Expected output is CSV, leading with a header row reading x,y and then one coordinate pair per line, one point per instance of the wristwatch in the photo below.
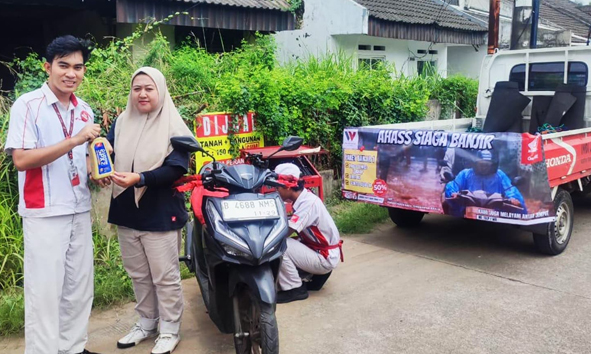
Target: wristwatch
x,y
142,181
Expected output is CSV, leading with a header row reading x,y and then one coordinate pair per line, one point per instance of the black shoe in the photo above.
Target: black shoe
x,y
300,293
87,352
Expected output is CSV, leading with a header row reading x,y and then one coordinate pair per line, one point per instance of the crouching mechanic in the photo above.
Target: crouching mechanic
x,y
318,250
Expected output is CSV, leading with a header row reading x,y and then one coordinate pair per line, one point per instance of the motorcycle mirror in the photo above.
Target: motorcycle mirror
x,y
186,143
292,143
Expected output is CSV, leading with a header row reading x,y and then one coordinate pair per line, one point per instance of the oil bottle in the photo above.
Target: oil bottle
x,y
101,163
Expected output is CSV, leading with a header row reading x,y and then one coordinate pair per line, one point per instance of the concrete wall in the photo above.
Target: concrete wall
x,y
465,60
402,54
322,19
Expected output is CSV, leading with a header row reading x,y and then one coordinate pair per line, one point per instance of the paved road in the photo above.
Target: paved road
x,y
451,286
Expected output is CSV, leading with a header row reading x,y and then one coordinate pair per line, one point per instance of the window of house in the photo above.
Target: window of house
x,y
370,63
426,68
364,47
546,76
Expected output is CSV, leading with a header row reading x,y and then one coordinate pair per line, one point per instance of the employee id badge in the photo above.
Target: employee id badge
x,y
74,177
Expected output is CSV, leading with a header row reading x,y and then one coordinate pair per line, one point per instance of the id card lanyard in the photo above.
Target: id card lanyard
x,y
73,172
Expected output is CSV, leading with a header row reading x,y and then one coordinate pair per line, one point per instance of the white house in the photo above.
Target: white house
x,y
408,33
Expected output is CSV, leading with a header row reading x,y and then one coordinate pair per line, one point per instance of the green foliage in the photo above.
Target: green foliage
x,y
29,72
456,93
355,218
111,282
11,238
12,311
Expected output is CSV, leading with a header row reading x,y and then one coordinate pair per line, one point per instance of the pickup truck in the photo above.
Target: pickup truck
x,y
518,162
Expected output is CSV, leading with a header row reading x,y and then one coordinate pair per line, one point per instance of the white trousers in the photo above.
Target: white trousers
x,y
152,261
300,256
59,283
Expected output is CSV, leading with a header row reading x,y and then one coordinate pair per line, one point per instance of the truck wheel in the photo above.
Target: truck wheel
x,y
405,218
557,236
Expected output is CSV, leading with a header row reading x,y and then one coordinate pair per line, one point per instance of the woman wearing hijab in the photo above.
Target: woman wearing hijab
x,y
148,213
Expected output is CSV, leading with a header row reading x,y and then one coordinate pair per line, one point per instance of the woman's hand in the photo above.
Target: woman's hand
x,y
125,179
103,182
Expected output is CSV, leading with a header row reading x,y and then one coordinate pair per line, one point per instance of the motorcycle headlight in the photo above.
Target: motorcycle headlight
x,y
238,243
235,252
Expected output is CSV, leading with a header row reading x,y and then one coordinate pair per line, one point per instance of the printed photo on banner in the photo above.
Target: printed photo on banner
x,y
495,177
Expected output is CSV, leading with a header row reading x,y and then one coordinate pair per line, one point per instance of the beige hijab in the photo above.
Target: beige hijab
x,y
142,141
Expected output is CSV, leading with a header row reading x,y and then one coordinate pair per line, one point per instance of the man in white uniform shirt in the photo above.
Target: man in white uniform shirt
x,y
47,138
318,250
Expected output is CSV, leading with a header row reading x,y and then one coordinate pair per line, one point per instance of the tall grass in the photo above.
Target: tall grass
x,y
357,218
11,238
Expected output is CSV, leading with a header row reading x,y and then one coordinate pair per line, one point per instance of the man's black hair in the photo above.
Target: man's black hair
x,y
66,45
300,186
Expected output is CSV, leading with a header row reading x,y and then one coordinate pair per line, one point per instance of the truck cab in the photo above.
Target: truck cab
x,y
537,73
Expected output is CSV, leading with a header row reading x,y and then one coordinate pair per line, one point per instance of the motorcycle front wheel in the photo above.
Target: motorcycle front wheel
x,y
257,332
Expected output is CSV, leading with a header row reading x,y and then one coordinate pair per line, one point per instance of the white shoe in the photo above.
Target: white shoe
x,y
165,343
135,337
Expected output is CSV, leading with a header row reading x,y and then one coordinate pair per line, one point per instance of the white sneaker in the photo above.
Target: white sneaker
x,y
135,336
165,343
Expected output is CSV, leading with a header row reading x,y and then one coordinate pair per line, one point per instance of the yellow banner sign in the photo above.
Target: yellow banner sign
x,y
360,170
212,131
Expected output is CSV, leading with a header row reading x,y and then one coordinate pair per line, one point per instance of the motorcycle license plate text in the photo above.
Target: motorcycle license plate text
x,y
233,210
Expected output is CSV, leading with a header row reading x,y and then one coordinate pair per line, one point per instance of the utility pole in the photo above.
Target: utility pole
x,y
494,15
534,23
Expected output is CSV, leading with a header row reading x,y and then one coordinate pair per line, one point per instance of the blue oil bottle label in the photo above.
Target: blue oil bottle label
x,y
102,158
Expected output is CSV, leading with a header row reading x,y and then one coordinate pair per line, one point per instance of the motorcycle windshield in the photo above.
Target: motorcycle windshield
x,y
246,177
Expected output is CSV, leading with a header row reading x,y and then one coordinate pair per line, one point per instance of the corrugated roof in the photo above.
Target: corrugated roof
x,y
206,15
567,15
422,12
255,4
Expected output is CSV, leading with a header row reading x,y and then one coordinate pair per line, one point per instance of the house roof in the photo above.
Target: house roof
x,y
567,15
423,12
245,15
282,5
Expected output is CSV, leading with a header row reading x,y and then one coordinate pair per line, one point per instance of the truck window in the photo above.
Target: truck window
x,y
546,76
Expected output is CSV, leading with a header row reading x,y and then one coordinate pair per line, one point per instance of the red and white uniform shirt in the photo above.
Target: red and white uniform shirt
x,y
315,226
48,190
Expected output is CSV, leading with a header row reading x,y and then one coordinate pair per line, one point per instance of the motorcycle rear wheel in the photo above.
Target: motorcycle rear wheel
x,y
258,324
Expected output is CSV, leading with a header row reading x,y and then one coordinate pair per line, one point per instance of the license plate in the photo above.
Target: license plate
x,y
233,210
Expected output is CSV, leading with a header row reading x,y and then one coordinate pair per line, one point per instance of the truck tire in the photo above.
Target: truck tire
x,y
558,233
405,218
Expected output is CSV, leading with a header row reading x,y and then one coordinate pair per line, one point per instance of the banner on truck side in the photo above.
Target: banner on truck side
x,y
211,130
499,177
